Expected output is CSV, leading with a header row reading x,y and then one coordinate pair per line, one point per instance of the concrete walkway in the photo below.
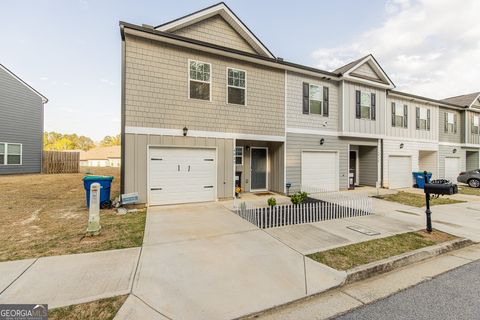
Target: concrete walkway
x,y
201,261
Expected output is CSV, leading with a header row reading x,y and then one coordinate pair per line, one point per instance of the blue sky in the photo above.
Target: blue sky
x,y
70,50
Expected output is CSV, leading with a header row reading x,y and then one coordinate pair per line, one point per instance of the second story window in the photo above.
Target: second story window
x,y
450,122
365,103
422,118
315,99
475,124
236,86
399,115
199,80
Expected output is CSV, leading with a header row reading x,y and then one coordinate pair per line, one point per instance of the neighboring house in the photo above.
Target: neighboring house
x,y
207,107
21,125
101,157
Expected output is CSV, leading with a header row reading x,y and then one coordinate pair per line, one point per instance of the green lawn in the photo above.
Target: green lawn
x,y
104,309
344,258
416,200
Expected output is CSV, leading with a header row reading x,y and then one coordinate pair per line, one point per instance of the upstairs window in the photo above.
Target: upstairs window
x,y
399,115
365,103
10,154
422,118
199,80
239,155
450,120
236,86
315,99
475,125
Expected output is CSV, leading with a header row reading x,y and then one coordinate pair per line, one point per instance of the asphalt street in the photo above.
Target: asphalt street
x,y
453,295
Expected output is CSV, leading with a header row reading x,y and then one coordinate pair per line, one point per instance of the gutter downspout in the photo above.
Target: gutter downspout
x,y
122,128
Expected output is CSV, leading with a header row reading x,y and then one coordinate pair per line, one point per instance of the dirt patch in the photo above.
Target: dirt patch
x,y
46,214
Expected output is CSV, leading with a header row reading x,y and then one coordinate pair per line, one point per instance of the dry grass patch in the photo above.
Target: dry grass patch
x,y
416,199
344,258
46,214
469,191
104,309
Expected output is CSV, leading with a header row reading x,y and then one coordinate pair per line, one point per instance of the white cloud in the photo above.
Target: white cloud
x,y
428,47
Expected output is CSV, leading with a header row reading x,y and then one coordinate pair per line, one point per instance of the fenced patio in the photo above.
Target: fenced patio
x,y
319,206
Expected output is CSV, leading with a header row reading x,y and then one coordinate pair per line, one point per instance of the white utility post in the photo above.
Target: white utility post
x,y
94,212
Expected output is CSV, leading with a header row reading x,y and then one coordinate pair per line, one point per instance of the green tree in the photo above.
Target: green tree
x,y
58,141
109,141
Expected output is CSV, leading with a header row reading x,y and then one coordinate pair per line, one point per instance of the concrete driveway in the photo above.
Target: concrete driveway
x,y
201,261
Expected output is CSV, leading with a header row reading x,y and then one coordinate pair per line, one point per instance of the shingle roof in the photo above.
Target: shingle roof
x,y
102,153
348,66
463,100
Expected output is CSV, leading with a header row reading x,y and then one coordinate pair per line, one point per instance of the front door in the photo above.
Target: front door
x,y
258,168
353,165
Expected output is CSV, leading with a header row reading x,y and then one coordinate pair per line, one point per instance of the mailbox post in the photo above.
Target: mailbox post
x,y
428,212
436,188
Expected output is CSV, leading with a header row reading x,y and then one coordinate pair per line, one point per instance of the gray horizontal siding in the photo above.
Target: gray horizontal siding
x,y
447,151
450,137
21,121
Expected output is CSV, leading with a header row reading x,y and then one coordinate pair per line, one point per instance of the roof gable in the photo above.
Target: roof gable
x,y
366,70
228,16
13,75
465,100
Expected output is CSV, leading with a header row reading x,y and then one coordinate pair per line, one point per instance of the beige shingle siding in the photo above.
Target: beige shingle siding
x,y
411,131
446,136
156,92
217,31
365,126
295,116
366,71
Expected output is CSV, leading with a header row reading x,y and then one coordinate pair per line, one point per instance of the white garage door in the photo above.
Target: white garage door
x,y
181,175
319,171
399,172
452,169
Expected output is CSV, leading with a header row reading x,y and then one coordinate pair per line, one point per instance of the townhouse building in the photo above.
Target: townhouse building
x,y
206,108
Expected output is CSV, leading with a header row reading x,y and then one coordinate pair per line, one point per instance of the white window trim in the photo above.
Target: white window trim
x,y
402,107
5,160
369,105
321,100
235,156
426,118
478,124
209,82
245,88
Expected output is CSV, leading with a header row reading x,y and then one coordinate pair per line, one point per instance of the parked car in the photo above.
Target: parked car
x,y
472,178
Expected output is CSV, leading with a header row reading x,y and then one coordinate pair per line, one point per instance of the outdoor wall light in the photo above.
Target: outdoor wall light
x,y
185,130
402,145
454,150
322,141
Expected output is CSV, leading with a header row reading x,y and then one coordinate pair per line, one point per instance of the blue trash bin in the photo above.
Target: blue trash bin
x,y
419,179
105,185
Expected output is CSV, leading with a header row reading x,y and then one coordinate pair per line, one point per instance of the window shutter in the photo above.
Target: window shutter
x,y
417,117
471,124
325,101
428,119
393,114
455,123
306,98
373,110
445,119
405,115
357,104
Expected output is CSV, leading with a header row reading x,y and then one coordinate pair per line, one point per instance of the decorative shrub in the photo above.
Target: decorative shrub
x,y
298,197
272,202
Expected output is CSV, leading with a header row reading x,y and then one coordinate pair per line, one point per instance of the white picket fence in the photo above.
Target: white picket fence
x,y
332,205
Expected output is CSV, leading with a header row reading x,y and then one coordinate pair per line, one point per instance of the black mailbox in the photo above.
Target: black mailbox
x,y
441,188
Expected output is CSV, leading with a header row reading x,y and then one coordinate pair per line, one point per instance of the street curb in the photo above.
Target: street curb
x,y
382,266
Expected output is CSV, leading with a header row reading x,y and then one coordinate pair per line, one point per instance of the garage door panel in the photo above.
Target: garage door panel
x,y
400,172
320,170
181,175
452,168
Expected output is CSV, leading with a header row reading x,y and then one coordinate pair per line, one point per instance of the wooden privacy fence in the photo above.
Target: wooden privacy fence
x,y
319,207
61,162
